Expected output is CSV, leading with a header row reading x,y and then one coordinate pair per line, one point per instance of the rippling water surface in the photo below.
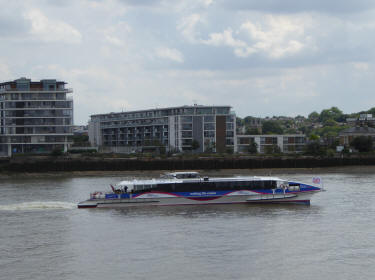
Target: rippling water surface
x,y
44,236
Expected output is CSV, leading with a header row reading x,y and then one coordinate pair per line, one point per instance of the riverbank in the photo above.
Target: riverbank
x,y
48,164
211,173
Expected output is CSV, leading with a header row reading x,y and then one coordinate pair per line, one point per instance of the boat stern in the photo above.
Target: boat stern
x,y
87,204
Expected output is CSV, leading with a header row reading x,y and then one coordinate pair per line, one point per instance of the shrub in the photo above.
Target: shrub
x,y
56,152
362,144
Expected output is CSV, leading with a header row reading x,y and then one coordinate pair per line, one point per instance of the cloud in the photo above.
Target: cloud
x,y
51,30
361,66
276,37
141,2
5,72
263,57
187,27
171,54
225,38
296,6
11,26
114,40
280,36
115,34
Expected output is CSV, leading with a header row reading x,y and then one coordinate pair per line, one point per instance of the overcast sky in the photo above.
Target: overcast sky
x,y
264,58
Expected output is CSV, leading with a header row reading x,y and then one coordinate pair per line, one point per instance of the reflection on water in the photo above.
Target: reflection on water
x,y
191,211
44,236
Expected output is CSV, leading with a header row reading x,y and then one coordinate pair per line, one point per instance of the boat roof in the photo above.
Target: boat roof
x,y
182,173
214,179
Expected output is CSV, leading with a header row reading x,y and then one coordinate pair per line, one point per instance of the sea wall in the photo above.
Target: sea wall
x,y
55,164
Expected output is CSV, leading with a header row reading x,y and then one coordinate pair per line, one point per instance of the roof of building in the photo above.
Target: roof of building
x,y
364,130
163,108
32,82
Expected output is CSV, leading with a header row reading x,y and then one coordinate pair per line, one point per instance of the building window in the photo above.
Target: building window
x,y
186,119
229,141
268,140
209,126
186,142
230,133
230,126
186,134
222,111
209,134
188,111
67,112
187,126
201,111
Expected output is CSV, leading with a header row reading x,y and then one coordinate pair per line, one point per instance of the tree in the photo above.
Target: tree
x,y
314,137
239,122
291,131
57,152
252,131
371,111
313,117
362,143
333,113
80,140
314,148
272,149
209,146
330,122
195,145
271,127
253,148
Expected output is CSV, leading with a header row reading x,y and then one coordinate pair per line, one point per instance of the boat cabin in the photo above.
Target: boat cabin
x,y
181,175
192,182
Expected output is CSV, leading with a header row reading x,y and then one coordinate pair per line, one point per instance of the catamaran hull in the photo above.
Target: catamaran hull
x,y
293,198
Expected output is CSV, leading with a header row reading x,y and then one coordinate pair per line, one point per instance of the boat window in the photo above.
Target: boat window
x,y
257,184
186,175
221,185
165,187
269,184
208,186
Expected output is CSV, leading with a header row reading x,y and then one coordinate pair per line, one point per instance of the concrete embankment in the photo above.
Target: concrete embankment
x,y
57,164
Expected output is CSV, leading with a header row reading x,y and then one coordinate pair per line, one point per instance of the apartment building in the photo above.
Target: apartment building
x,y
199,128
35,116
287,143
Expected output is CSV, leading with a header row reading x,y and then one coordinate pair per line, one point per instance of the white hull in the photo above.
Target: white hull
x,y
299,198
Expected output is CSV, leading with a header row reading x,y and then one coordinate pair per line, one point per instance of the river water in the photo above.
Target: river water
x,y
44,236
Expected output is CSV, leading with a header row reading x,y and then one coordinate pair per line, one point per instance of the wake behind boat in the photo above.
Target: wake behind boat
x,y
188,188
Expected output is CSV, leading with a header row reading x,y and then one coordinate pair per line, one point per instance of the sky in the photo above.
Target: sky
x,y
263,58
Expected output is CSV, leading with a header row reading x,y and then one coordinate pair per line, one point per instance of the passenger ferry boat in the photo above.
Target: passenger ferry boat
x,y
189,188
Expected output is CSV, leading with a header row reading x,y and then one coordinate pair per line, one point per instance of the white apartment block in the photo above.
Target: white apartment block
x,y
174,128
35,117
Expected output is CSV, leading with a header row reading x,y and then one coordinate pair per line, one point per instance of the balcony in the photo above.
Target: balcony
x,y
66,90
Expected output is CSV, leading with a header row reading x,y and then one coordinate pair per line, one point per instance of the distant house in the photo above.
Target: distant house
x,y
363,120
80,130
287,143
347,135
